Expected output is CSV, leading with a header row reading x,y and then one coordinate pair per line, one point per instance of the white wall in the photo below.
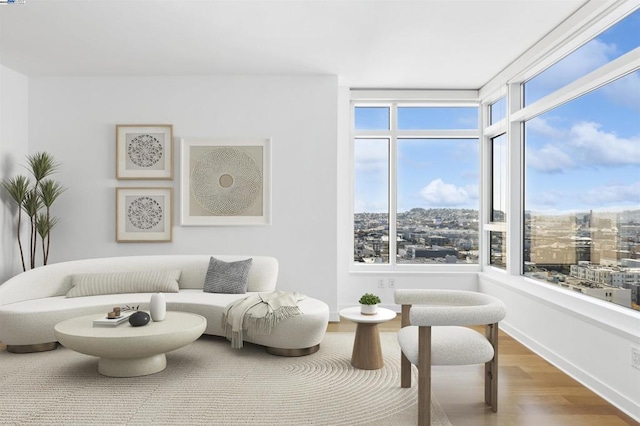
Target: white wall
x,y
13,149
587,338
75,118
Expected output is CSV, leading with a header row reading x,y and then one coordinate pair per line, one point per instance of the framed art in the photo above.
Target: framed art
x,y
144,151
225,182
144,215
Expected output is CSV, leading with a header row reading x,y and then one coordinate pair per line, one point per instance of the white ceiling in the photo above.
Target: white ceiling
x,y
367,43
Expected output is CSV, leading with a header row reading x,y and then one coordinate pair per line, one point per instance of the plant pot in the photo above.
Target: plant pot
x,y
368,309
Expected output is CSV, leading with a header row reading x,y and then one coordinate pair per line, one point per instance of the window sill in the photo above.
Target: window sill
x,y
608,316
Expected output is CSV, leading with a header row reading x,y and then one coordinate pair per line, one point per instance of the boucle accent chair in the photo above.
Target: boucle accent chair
x,y
434,332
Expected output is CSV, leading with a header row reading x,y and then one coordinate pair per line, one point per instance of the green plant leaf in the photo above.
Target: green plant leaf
x,y
31,203
45,224
369,299
17,187
42,164
50,190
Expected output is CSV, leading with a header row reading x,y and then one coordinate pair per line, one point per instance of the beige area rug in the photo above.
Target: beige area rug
x,y
209,383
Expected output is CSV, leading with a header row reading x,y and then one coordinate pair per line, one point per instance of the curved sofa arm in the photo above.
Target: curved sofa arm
x,y
451,307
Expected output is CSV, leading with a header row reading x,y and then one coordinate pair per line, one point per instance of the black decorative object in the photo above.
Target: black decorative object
x,y
139,318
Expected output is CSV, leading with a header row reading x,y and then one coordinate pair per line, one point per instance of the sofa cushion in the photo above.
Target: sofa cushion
x,y
165,281
227,277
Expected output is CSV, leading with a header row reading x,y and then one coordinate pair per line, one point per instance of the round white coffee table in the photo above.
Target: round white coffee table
x,y
127,351
367,351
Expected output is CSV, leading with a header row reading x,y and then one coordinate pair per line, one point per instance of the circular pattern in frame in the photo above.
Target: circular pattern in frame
x,y
226,181
144,213
145,150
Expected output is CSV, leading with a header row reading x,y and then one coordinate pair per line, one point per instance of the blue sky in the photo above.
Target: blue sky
x,y
426,177
585,154
582,155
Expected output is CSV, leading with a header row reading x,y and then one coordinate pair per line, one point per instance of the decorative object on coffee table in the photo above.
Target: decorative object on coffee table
x,y
369,304
139,318
157,307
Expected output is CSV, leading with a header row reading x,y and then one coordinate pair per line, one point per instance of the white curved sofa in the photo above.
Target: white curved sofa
x,y
31,303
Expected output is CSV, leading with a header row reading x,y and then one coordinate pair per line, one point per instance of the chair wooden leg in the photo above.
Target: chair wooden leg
x,y
424,376
405,364
491,369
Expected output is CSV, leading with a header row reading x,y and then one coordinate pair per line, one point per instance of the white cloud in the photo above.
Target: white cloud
x,y
625,91
596,147
549,159
371,155
584,60
439,193
612,194
584,144
542,127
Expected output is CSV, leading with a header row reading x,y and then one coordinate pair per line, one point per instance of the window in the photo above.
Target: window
x,y
498,202
581,149
611,44
498,111
582,193
371,222
499,179
416,184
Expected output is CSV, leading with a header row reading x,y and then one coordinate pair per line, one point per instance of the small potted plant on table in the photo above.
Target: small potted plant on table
x,y
369,304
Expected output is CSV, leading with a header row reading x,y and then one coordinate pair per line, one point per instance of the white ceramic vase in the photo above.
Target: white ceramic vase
x,y
157,307
368,309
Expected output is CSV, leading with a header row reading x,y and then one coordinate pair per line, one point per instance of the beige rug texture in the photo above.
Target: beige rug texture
x,y
209,383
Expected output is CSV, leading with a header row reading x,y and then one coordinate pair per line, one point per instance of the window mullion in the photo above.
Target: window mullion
x,y
515,183
393,183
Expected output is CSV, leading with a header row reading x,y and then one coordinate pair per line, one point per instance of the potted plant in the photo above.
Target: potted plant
x,y
369,304
35,198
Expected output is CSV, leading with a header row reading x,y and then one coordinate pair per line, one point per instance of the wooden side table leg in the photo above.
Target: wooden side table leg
x,y
367,350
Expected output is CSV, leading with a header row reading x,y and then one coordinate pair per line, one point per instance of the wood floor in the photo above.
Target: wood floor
x,y
531,391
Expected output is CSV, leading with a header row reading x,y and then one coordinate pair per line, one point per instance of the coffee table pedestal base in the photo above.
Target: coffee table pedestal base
x,y
132,367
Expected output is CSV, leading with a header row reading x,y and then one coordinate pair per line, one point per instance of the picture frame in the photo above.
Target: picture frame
x,y
144,151
225,182
144,215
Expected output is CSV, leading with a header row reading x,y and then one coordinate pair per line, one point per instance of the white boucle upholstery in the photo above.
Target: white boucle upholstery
x,y
437,336
450,307
449,346
32,302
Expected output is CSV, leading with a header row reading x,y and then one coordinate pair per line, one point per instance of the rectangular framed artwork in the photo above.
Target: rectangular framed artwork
x,y
144,215
225,182
144,151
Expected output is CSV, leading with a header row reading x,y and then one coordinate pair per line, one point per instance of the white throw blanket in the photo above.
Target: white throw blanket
x,y
258,314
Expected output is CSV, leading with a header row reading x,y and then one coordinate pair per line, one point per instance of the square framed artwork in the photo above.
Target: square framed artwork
x,y
225,182
144,151
144,215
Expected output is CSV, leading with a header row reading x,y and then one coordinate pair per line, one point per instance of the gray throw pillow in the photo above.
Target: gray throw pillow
x,y
227,277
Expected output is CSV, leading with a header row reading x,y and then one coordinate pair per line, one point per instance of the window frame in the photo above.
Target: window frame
x,y
518,114
394,99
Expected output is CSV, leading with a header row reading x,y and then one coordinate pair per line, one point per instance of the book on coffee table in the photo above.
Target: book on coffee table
x,y
112,322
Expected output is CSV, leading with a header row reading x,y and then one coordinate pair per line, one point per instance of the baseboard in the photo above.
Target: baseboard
x,y
628,406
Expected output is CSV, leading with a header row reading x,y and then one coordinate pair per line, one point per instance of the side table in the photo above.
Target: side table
x,y
367,351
